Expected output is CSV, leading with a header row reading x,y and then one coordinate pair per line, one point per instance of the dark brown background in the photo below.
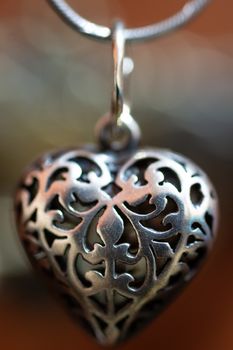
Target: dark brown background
x,y
54,84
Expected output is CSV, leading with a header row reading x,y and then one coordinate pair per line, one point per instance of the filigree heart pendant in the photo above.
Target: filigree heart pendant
x,y
118,236
119,230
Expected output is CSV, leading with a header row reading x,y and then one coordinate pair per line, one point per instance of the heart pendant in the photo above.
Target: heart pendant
x,y
119,233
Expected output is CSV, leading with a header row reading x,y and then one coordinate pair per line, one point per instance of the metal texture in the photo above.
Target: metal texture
x,y
120,234
80,24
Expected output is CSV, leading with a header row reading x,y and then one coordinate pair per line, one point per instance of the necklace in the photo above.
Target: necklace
x,y
119,230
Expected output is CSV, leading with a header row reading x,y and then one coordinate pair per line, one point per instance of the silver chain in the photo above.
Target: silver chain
x,y
118,130
82,25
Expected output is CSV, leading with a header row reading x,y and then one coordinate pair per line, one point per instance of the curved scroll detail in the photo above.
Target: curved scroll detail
x,y
119,236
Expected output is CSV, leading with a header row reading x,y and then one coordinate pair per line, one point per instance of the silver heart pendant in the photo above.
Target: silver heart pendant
x,y
118,235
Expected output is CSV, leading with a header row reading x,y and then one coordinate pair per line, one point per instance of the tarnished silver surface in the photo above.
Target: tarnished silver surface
x,y
119,234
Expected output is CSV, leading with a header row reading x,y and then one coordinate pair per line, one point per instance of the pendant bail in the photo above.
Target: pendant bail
x,y
118,130
118,49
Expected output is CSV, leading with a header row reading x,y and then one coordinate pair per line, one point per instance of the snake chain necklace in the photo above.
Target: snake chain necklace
x,y
119,230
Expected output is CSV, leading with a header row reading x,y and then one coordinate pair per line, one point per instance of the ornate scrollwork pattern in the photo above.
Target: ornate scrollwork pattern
x,y
120,235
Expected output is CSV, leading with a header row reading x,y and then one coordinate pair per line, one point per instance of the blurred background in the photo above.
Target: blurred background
x,y
54,85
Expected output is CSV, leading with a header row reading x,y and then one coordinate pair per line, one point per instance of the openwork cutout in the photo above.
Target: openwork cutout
x,y
119,236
